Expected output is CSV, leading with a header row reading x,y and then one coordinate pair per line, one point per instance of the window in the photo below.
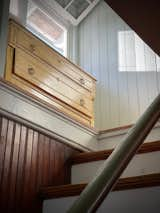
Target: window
x,y
40,23
45,27
73,10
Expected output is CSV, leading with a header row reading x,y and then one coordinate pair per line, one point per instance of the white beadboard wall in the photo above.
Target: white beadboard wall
x,y
127,70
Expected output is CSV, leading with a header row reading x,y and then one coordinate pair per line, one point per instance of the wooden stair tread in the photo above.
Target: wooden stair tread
x,y
122,184
102,155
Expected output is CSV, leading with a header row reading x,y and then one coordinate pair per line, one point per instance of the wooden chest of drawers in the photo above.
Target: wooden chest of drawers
x,y
38,69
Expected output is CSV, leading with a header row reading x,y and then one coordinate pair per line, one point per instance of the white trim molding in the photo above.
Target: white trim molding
x,y
110,138
31,111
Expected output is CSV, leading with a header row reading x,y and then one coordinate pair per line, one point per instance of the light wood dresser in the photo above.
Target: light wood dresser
x,y
39,70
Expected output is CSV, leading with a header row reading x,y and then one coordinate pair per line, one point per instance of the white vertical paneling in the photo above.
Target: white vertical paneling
x,y
127,70
103,115
158,72
112,69
151,74
72,44
131,75
123,77
141,77
93,47
95,67
158,63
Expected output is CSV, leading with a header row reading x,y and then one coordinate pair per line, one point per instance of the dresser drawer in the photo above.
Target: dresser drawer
x,y
42,72
46,78
24,39
31,89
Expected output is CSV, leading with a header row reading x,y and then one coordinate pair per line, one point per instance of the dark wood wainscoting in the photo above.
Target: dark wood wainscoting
x,y
29,160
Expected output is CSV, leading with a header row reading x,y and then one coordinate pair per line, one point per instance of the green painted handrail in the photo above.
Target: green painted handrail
x,y
102,184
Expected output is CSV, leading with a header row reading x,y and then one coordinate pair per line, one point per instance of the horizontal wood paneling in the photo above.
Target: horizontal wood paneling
x,y
126,69
102,155
29,160
52,78
122,184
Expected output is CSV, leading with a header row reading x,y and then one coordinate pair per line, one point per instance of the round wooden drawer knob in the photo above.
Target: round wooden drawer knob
x,y
82,102
82,81
31,71
32,48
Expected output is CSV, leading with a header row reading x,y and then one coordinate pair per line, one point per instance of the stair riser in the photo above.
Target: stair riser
x,y
141,164
132,201
109,140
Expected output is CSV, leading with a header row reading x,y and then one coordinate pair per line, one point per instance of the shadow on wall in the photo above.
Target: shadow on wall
x,y
145,200
127,70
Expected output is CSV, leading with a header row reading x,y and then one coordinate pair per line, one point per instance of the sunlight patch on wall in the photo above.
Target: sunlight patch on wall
x,y
134,55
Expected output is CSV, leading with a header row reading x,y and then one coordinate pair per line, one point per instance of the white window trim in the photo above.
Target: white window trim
x,y
52,16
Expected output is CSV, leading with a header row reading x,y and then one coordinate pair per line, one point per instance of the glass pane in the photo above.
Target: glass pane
x,y
77,7
63,3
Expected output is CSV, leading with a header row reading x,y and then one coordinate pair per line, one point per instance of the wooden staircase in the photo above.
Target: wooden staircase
x,y
104,154
124,183
69,190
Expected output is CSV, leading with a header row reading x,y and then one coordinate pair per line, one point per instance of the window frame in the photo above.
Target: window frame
x,y
44,38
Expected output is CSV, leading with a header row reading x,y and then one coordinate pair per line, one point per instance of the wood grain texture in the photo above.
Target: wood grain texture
x,y
29,160
50,76
102,155
54,84
38,93
15,89
18,35
123,184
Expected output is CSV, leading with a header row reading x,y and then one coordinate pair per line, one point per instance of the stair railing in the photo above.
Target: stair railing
x,y
97,190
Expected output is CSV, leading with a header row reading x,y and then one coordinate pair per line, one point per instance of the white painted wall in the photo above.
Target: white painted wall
x,y
110,140
141,164
145,200
127,70
17,105
72,44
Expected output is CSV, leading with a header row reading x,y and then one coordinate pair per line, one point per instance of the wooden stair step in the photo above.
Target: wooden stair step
x,y
122,184
104,154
